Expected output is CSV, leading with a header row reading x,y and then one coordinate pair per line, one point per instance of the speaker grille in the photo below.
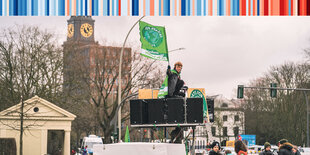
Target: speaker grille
x,y
175,110
138,112
194,110
156,111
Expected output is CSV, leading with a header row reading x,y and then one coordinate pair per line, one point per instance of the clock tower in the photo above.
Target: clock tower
x,y
81,29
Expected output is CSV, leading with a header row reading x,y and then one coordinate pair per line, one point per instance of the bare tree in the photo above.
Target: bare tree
x,y
272,119
96,78
30,64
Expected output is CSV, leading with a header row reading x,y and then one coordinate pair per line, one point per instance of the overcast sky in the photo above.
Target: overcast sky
x,y
220,52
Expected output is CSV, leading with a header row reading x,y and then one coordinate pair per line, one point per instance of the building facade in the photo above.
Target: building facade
x,y
229,119
46,127
228,123
86,61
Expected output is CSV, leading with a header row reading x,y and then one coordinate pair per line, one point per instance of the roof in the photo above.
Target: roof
x,y
37,108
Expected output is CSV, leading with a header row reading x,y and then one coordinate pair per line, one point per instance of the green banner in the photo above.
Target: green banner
x,y
153,41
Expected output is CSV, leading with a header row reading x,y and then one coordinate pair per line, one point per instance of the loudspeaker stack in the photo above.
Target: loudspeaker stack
x,y
163,111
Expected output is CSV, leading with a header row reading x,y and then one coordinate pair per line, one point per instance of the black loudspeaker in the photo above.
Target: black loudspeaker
x,y
194,110
138,112
156,111
175,110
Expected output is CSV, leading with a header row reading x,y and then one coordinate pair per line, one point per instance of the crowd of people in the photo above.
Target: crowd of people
x,y
284,148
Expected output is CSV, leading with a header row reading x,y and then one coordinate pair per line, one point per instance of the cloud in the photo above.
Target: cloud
x,y
221,52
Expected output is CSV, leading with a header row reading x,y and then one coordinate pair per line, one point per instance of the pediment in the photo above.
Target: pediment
x,y
37,108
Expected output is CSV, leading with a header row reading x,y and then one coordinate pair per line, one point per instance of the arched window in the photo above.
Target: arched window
x,y
224,105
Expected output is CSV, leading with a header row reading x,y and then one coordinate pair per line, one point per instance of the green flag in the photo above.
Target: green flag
x,y
153,41
163,91
127,136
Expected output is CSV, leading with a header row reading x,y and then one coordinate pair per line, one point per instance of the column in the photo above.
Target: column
x,y
67,142
44,139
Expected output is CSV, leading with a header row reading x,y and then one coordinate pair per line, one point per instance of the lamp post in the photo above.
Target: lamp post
x,y
120,83
115,129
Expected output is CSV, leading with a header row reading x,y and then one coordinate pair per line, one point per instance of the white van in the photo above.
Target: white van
x,y
90,141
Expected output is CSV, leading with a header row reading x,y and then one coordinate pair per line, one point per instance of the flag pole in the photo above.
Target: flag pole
x,y
167,46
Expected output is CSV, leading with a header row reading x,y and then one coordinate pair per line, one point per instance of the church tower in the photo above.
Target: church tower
x,y
78,49
81,29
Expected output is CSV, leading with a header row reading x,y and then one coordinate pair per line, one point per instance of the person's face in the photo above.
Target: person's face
x,y
178,68
216,148
268,148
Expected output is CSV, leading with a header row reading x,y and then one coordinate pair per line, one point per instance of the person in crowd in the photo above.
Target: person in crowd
x,y
85,150
240,148
285,148
177,135
295,150
215,148
267,150
228,152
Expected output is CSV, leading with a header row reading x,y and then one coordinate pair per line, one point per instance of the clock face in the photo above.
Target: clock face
x,y
70,30
86,30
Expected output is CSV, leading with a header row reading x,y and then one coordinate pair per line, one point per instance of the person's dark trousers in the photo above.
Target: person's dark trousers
x,y
179,85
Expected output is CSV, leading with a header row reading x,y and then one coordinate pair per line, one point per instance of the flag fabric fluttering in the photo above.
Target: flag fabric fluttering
x,y
153,41
163,91
127,136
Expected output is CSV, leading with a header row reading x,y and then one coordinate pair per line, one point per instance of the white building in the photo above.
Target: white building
x,y
229,122
229,119
47,128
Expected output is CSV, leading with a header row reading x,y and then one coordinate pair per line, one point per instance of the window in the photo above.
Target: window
x,y
224,105
213,129
236,118
236,131
225,118
224,131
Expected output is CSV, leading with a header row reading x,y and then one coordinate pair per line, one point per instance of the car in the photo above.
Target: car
x,y
90,141
305,150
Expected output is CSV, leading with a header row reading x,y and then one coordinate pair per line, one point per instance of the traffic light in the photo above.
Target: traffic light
x,y
273,92
240,91
210,103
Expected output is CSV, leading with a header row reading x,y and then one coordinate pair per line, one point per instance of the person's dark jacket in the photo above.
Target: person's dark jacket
x,y
297,153
172,82
286,149
212,152
266,153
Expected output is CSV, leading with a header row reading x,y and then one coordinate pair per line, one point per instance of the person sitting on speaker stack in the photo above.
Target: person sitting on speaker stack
x,y
175,84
